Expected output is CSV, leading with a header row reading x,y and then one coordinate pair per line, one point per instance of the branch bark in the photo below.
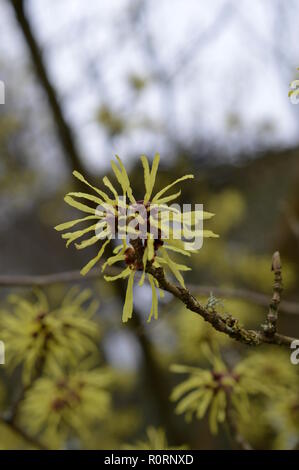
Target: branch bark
x,y
224,324
270,327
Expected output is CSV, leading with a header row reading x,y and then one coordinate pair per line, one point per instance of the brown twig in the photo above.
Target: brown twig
x,y
225,324
270,327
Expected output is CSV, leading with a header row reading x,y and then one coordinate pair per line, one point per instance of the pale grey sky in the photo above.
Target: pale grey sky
x,y
217,59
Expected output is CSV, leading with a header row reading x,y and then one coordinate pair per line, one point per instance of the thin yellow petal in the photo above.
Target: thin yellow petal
x,y
167,199
72,223
109,185
125,273
154,307
128,306
163,191
97,190
78,205
151,177
89,242
92,262
72,236
147,180
125,175
177,250
144,262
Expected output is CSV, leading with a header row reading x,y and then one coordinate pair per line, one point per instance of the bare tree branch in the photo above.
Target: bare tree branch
x,y
225,324
286,307
56,278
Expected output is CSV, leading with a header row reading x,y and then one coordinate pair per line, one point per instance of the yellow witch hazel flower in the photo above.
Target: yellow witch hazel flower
x,y
69,405
156,440
218,390
148,228
284,415
41,338
273,368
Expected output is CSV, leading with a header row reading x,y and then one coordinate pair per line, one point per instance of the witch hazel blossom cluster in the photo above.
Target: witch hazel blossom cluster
x,y
148,228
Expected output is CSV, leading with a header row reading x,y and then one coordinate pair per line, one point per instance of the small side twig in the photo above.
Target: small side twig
x,y
270,327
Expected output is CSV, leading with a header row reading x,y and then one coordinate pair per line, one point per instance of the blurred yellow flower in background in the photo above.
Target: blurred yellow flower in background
x,y
218,390
156,440
69,405
41,338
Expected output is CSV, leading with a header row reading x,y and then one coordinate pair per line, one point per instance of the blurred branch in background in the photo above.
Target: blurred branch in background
x,y
211,33
225,324
66,136
286,307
